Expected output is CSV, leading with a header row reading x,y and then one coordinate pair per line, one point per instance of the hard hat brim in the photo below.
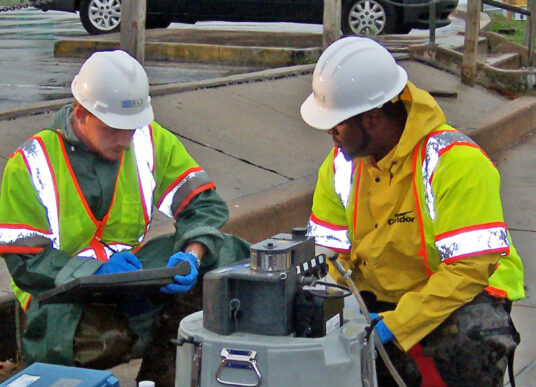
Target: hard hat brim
x,y
130,122
320,117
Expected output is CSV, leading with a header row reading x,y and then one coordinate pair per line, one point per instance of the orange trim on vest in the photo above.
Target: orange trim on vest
x,y
494,292
19,249
24,226
462,230
335,153
98,247
27,303
326,224
192,194
176,182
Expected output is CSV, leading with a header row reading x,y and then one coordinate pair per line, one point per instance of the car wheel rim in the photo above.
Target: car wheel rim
x,y
367,17
105,15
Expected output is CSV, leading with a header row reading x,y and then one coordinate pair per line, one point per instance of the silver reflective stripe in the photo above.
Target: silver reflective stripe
x,y
342,176
90,253
431,158
473,242
44,185
325,236
180,192
144,152
24,237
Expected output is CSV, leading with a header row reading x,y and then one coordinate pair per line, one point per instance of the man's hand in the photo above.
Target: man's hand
x,y
120,263
383,332
183,283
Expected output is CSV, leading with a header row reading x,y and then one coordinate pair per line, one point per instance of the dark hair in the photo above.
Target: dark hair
x,y
395,110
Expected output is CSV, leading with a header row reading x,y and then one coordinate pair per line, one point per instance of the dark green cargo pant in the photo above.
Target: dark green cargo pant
x,y
470,348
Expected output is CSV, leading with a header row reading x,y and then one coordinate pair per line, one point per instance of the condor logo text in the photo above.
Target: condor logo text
x,y
402,217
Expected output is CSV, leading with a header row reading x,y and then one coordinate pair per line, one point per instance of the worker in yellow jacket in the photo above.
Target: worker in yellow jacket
x,y
412,205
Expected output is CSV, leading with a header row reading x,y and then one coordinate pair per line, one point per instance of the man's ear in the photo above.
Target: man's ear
x,y
80,113
372,117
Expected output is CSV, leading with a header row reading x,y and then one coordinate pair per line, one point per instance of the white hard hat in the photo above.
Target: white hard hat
x,y
352,76
114,87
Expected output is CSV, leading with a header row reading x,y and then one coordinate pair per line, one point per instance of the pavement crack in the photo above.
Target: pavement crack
x,y
233,156
521,229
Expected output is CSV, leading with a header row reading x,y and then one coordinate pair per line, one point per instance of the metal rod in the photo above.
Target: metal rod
x,y
432,23
530,45
379,345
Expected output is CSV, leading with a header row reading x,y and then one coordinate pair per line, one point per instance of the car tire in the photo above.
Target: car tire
x,y
157,21
100,17
368,17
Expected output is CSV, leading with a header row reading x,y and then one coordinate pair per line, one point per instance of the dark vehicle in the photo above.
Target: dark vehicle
x,y
359,17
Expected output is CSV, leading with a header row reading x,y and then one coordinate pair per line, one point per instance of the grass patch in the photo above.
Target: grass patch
x,y
500,24
8,3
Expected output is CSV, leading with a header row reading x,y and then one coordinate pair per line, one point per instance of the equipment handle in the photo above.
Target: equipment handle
x,y
238,359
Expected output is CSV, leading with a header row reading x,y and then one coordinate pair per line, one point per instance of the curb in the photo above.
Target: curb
x,y
504,125
197,53
278,209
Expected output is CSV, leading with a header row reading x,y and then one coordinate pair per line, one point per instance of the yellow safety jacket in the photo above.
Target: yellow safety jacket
x,y
423,227
55,213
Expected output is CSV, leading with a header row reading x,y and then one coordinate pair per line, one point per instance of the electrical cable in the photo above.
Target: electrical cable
x,y
379,345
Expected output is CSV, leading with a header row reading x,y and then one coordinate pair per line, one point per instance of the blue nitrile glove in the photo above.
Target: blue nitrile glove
x,y
183,283
382,330
120,263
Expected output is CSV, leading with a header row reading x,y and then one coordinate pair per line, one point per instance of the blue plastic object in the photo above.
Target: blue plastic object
x,y
382,330
45,375
121,262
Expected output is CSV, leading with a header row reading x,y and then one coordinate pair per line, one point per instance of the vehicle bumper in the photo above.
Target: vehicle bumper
x,y
58,5
418,17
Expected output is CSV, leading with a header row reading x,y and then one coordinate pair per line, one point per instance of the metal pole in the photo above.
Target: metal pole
x,y
432,23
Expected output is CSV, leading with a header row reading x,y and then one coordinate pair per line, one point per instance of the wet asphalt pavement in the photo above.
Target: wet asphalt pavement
x,y
30,73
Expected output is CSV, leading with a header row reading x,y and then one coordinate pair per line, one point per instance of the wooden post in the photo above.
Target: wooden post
x,y
472,27
332,22
133,28
530,27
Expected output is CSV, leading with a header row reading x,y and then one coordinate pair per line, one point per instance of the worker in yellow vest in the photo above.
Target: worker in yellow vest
x,y
412,206
78,199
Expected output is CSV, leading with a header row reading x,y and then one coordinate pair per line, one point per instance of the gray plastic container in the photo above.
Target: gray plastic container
x,y
245,359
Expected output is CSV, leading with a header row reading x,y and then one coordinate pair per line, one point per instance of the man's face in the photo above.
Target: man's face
x,y
101,139
352,137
